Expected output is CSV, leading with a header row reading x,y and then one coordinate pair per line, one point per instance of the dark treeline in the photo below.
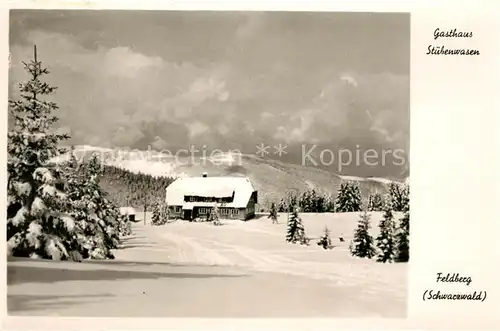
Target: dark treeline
x,y
136,190
309,202
347,199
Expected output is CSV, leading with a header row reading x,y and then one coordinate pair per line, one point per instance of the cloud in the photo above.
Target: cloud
x,y
223,129
360,110
349,80
63,51
206,88
159,144
120,96
251,24
122,61
197,128
266,115
107,95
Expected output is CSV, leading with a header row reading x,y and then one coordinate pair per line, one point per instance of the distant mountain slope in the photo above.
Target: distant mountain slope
x,y
272,178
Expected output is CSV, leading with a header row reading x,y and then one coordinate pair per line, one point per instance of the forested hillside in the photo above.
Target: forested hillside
x,y
126,188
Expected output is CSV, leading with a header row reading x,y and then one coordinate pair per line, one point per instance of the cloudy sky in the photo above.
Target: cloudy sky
x,y
222,79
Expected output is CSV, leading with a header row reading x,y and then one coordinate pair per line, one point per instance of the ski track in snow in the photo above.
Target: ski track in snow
x,y
202,251
192,251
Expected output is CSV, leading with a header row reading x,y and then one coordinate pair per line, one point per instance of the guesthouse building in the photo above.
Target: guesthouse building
x,y
195,197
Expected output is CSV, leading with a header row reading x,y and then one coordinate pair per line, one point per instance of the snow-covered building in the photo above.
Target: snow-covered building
x,y
193,197
129,212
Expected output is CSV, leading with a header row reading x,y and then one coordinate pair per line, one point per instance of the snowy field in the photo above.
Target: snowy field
x,y
239,269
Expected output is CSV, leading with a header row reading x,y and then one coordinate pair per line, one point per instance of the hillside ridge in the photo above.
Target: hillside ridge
x,y
272,178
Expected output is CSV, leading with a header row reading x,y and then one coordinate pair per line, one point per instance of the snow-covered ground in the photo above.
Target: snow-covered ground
x,y
239,269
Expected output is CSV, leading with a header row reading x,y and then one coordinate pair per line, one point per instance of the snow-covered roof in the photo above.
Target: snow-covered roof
x,y
210,187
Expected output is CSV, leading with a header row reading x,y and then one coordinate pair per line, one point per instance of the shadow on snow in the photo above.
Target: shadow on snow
x,y
37,274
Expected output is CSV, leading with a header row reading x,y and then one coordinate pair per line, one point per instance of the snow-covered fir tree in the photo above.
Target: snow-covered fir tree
x,y
325,241
288,203
348,198
362,244
165,212
403,239
283,206
295,229
156,213
375,202
309,201
273,214
38,223
328,203
386,239
403,234
159,214
399,195
98,220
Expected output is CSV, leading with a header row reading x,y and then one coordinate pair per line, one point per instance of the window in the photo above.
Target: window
x,y
224,211
234,211
203,210
177,209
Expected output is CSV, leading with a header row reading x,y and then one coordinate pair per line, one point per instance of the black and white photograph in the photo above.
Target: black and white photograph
x,y
208,164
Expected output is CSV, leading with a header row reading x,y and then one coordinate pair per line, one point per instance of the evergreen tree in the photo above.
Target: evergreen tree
x,y
375,202
99,223
362,244
385,240
273,214
295,229
348,198
165,211
282,206
399,195
328,204
160,213
309,202
403,234
38,224
156,214
292,201
325,241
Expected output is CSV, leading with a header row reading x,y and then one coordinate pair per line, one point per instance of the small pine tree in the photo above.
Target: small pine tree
x,y
295,229
328,204
362,244
403,234
375,202
386,241
399,195
156,214
165,211
325,241
283,206
348,198
273,214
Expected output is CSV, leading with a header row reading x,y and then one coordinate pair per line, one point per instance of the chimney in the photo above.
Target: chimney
x,y
204,175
